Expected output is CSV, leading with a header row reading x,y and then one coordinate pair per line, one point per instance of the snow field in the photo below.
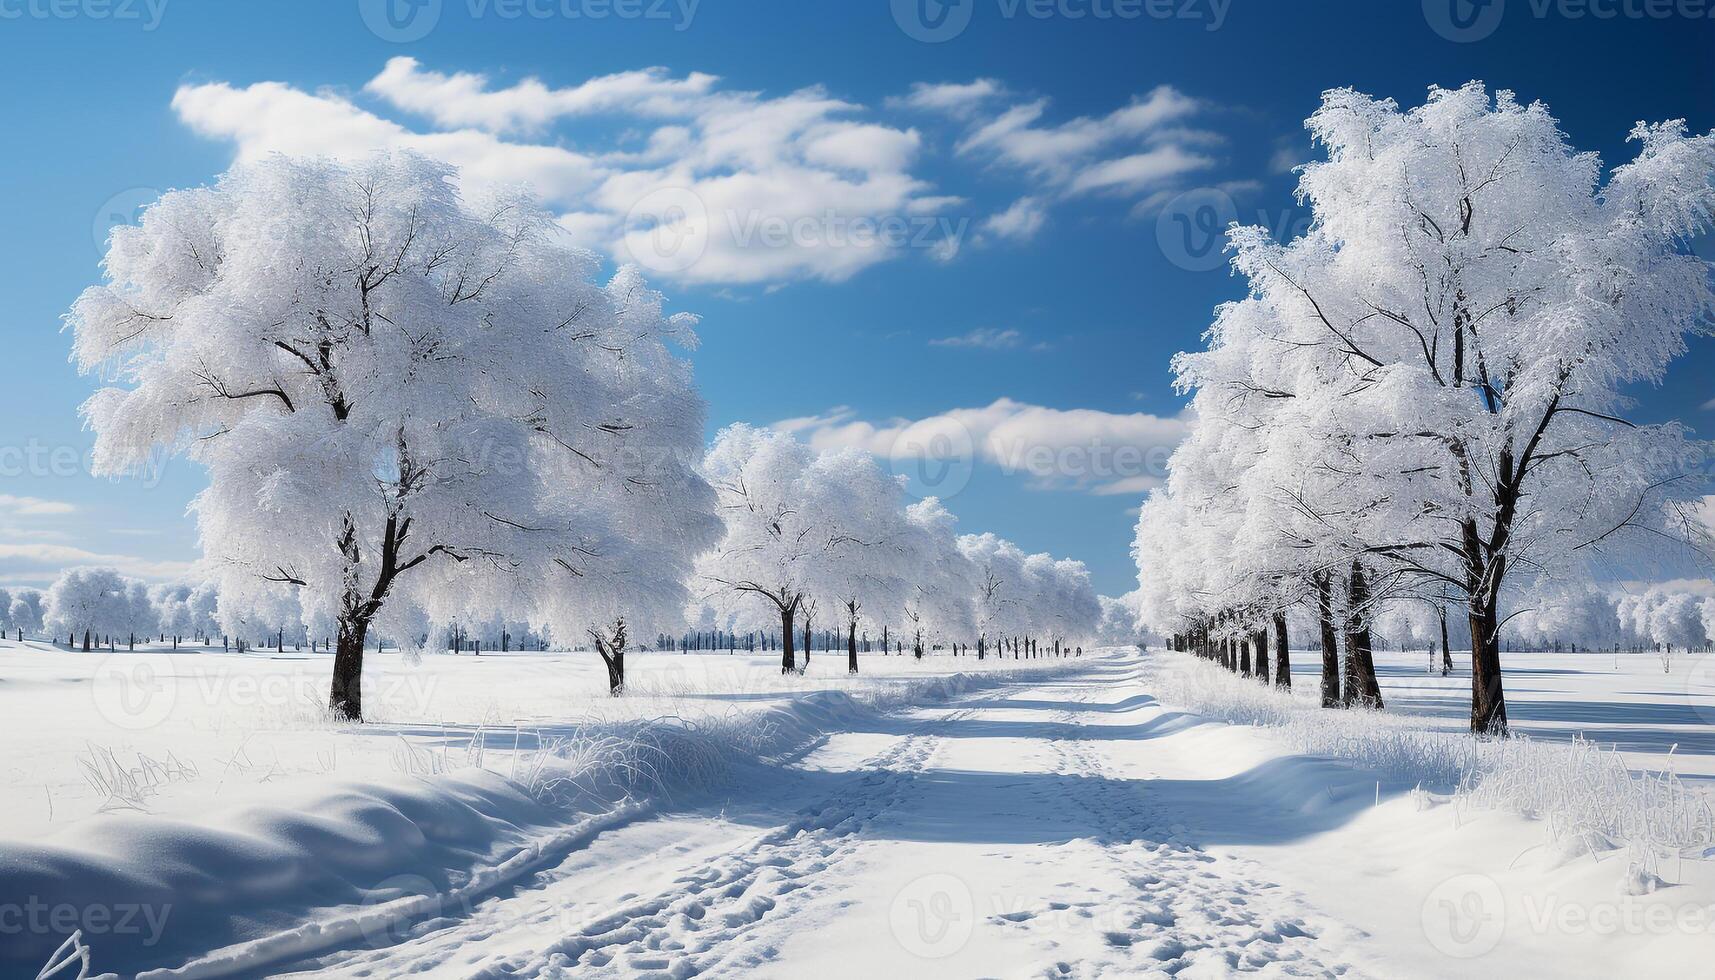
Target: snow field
x,y
1587,795
211,793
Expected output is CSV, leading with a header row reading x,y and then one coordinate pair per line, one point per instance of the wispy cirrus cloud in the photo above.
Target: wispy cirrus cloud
x,y
33,506
38,563
1019,222
1140,144
1103,453
984,338
957,99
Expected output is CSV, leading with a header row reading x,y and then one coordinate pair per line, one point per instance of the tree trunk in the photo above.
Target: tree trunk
x,y
851,648
1260,645
345,699
788,656
1488,701
1330,641
1446,648
615,672
1362,687
1244,657
1282,659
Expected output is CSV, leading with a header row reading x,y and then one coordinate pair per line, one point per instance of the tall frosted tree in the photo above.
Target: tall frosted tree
x,y
1454,333
404,400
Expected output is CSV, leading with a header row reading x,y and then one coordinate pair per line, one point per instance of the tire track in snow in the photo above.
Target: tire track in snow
x,y
709,918
1186,912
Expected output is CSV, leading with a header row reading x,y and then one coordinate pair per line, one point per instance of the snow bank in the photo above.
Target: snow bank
x,y
152,894
1587,797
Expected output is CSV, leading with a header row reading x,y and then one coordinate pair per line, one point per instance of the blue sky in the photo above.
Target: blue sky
x,y
1075,167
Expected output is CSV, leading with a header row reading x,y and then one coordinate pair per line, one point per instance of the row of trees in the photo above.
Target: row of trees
x,y
830,537
810,538
417,408
1419,406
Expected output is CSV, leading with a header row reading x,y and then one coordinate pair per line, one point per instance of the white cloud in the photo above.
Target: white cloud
x,y
1063,154
779,189
1288,153
33,506
465,98
40,563
1139,171
1146,149
988,338
952,98
1020,222
1054,449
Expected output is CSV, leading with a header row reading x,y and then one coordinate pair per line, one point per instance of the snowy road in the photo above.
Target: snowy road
x,y
1008,833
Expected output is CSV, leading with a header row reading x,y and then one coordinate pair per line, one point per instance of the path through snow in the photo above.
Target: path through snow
x,y
1007,833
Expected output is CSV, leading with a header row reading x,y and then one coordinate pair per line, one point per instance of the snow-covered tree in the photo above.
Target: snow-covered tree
x,y
1665,616
1440,358
939,593
405,401
24,612
794,532
97,602
1119,626
1577,614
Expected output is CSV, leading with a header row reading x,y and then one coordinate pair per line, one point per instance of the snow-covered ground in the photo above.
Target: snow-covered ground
x,y
502,817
